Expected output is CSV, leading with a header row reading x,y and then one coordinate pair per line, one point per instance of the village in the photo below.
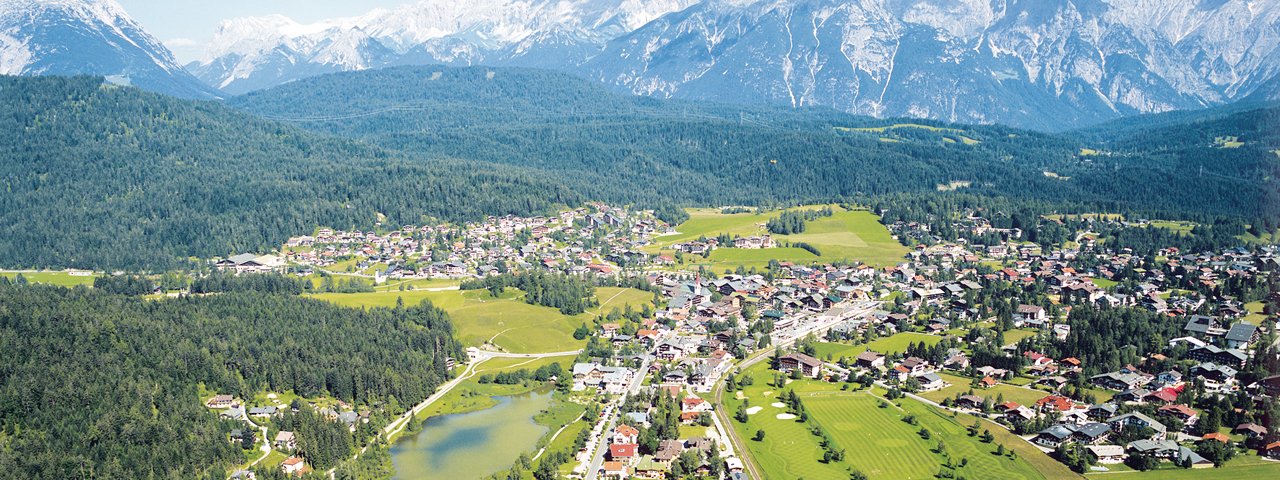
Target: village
x,y
970,329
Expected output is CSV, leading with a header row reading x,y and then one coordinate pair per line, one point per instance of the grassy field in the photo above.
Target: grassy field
x,y
953,137
1104,283
506,321
876,440
417,284
274,459
960,385
564,442
894,344
848,234
1015,336
854,235
1243,467
732,258
897,126
1255,315
1177,226
1076,216
982,461
788,450
61,279
883,446
1228,142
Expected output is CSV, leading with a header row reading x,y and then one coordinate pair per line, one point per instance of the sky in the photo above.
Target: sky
x,y
186,26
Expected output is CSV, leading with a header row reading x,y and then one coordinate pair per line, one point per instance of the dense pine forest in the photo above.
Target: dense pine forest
x,y
568,293
124,402
630,149
105,177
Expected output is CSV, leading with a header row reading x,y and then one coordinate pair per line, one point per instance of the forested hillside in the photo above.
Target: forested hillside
x,y
95,385
105,177
638,149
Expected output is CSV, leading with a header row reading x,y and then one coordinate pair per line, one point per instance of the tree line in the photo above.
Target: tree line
x,y
126,403
571,294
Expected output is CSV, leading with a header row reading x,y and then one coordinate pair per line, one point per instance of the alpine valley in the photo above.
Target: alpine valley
x,y
630,239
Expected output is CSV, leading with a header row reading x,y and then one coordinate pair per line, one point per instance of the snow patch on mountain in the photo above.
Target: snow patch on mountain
x,y
97,37
14,55
248,53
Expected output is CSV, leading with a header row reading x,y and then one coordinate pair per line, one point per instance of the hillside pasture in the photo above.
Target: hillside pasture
x,y
845,235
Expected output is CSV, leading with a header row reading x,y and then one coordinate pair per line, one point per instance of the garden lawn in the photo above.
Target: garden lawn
x,y
1104,283
1012,337
1255,315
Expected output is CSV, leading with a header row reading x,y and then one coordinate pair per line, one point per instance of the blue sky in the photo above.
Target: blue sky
x,y
186,25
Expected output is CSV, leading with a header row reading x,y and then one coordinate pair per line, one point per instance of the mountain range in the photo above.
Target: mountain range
x,y
1042,64
69,37
1046,64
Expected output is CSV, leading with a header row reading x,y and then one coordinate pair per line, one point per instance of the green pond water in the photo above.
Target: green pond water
x,y
471,445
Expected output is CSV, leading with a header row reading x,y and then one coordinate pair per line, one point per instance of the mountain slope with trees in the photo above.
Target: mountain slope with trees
x,y
622,148
98,176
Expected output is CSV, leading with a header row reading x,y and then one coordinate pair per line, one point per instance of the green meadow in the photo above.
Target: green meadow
x,y
876,439
1244,467
897,343
846,235
1010,393
61,279
505,321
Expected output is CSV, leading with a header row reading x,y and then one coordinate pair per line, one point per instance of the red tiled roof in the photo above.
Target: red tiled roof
x,y
1057,402
1216,436
626,430
1182,409
622,450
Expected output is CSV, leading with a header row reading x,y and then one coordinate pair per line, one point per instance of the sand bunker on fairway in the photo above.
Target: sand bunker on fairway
x,y
739,395
786,416
754,410
767,393
777,404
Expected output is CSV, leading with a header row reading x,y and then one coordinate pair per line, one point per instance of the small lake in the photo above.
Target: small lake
x,y
472,445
